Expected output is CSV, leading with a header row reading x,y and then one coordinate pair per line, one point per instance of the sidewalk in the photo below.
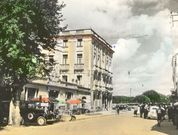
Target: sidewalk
x,y
166,127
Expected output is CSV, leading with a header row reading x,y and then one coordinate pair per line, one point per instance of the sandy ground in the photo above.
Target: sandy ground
x,y
123,124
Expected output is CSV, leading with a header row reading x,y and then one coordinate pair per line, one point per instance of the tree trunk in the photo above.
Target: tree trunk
x,y
14,114
14,111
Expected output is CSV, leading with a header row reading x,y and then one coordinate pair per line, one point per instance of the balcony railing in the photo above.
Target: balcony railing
x,y
64,66
79,66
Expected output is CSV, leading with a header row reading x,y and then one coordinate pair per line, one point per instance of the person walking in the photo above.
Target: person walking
x,y
170,113
141,110
176,117
135,110
159,115
72,116
146,109
118,110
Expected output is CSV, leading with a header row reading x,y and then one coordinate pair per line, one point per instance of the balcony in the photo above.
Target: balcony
x,y
64,67
79,66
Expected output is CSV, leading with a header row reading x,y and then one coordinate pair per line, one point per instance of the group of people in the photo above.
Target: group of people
x,y
143,109
171,111
173,115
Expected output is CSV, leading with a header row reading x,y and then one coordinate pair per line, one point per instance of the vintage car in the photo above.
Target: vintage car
x,y
78,111
152,112
39,112
4,112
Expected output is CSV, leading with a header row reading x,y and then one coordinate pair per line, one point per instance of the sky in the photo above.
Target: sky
x,y
140,32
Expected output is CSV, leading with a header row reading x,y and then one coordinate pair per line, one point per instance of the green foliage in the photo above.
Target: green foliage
x,y
24,26
141,99
164,99
122,99
150,96
153,96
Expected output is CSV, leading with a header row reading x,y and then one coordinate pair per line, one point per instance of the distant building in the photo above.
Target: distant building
x,y
82,69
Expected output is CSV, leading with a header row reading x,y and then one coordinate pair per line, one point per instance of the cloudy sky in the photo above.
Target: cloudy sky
x,y
141,36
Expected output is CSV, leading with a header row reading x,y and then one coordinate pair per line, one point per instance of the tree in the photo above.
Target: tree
x,y
26,27
141,99
153,96
122,99
164,99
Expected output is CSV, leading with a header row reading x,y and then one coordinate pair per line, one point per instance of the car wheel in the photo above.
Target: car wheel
x,y
41,121
30,116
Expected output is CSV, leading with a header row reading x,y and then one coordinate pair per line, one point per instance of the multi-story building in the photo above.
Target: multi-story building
x,y
175,75
85,59
174,32
81,69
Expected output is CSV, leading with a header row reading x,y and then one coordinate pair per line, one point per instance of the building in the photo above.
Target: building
x,y
82,69
175,75
174,32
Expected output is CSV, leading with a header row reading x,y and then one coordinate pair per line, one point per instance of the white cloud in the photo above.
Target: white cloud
x,y
124,49
142,42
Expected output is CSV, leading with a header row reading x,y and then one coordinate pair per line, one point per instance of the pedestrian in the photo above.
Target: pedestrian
x,y
141,109
135,110
72,116
159,115
146,109
118,110
176,117
170,113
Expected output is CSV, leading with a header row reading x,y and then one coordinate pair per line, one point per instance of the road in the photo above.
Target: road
x,y
123,124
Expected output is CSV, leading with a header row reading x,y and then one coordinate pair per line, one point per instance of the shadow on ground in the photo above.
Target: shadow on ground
x,y
166,127
1,128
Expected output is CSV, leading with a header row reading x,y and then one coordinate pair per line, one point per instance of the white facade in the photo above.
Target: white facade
x,y
84,58
82,68
174,32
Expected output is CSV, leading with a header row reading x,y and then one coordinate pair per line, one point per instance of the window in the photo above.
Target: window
x,y
31,93
64,78
103,56
69,95
64,60
79,58
65,43
53,94
51,59
79,42
79,79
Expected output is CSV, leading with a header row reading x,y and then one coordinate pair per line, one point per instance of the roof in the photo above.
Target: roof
x,y
85,32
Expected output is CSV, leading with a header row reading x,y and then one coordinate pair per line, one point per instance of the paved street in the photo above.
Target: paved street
x,y
124,124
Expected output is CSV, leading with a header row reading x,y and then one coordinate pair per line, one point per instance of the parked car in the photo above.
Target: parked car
x,y
39,112
114,106
4,112
121,106
79,111
152,112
